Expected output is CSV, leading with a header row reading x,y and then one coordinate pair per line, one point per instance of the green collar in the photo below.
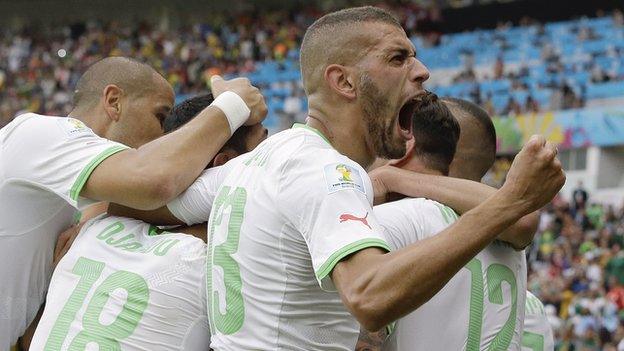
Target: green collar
x,y
305,126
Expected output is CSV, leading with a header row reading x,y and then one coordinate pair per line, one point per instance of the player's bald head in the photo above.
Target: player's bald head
x,y
338,38
133,77
476,148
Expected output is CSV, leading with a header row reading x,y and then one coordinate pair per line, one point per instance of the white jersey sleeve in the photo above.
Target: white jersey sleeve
x,y
194,204
407,221
326,201
58,154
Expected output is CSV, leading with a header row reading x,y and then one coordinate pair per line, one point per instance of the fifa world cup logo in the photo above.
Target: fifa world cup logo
x,y
345,172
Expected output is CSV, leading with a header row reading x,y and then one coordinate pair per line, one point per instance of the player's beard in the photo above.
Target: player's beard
x,y
376,110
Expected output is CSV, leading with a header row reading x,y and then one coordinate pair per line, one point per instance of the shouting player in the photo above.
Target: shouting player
x,y
296,257
152,282
487,296
52,166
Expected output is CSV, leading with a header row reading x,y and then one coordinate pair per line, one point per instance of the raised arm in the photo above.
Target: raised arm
x,y
150,176
460,194
380,288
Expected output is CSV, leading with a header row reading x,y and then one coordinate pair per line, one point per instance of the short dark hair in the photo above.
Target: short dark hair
x,y
436,133
189,108
479,140
480,115
327,40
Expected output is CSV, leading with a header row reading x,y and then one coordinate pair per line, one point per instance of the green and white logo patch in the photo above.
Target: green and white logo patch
x,y
340,176
73,127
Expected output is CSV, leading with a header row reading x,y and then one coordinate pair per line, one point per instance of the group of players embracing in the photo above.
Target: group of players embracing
x,y
208,234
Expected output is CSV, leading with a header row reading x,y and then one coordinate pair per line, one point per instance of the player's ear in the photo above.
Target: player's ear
x,y
340,80
112,96
409,152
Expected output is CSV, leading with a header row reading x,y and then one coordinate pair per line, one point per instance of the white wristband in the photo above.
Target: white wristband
x,y
234,108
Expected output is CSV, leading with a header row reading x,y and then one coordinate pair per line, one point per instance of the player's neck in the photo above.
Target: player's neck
x,y
91,119
416,165
342,134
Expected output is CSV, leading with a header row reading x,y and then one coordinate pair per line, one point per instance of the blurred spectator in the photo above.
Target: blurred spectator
x,y
531,106
579,196
293,108
618,18
488,105
597,74
499,68
569,98
512,108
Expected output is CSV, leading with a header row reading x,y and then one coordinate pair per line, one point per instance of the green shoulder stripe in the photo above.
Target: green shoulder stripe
x,y
346,250
86,172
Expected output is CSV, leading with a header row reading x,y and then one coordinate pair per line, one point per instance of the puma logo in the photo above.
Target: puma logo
x,y
349,217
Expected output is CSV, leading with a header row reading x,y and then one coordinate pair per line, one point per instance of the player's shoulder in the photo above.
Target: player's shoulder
x,y
315,150
305,143
310,157
38,126
16,122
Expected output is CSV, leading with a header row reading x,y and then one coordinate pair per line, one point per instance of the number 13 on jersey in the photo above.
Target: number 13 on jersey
x,y
226,309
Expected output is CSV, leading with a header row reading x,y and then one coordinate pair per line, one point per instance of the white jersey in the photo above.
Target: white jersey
x,y
537,334
44,163
123,285
480,308
285,215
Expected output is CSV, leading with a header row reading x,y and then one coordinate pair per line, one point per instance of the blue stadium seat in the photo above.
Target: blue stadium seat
x,y
493,86
605,90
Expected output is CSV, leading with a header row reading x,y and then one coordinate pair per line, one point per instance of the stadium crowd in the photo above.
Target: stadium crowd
x,y
576,267
40,64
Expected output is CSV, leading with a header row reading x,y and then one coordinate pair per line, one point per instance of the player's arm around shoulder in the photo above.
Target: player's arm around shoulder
x,y
460,194
191,207
379,288
152,175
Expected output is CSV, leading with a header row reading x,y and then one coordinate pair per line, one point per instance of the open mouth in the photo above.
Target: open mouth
x,y
406,114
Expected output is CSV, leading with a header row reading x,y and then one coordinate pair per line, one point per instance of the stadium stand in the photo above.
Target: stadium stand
x,y
508,70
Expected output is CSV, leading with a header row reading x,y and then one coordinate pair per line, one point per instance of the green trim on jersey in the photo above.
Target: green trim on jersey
x,y
305,126
86,172
346,250
77,217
